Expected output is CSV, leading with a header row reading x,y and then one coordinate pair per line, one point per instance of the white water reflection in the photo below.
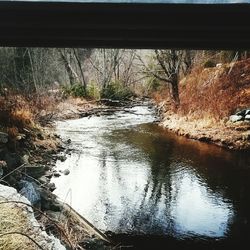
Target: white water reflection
x,y
119,187
196,209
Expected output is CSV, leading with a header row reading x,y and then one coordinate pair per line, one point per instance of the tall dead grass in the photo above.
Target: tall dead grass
x,y
15,114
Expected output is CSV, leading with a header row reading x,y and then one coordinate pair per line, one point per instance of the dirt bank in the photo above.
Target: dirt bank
x,y
228,135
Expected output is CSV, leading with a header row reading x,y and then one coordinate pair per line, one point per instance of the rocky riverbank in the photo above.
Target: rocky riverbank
x,y
27,164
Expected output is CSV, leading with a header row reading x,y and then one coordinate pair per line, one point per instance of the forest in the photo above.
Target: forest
x,y
43,77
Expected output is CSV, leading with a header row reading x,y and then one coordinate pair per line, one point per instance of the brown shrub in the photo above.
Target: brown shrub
x,y
15,112
18,112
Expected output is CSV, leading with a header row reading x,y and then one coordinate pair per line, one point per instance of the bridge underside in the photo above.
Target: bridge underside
x,y
193,26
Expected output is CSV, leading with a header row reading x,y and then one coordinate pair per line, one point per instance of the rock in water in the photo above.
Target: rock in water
x,y
66,172
56,174
236,118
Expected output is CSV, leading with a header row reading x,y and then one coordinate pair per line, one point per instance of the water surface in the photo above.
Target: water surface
x,y
128,175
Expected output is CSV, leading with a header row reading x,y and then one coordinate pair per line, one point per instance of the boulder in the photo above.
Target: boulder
x,y
66,172
3,138
236,118
30,191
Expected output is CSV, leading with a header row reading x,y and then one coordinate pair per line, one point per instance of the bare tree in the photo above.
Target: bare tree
x,y
168,65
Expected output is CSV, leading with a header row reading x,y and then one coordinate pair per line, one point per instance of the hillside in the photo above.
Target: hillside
x,y
209,96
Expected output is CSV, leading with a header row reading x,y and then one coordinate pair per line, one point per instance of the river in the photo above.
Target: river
x,y
131,177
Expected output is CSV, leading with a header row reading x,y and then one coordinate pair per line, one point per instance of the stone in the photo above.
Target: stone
x,y
35,170
56,174
66,172
25,159
49,174
62,158
3,137
247,117
40,136
20,137
43,180
236,118
3,164
57,136
51,186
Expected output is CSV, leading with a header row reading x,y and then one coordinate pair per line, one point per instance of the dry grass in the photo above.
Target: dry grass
x,y
13,219
15,114
66,227
215,93
208,97
211,94
18,112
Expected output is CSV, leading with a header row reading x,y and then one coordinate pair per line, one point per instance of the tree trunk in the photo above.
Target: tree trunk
x,y
81,71
175,90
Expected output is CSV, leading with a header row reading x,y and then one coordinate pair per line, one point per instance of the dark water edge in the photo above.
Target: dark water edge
x,y
126,241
